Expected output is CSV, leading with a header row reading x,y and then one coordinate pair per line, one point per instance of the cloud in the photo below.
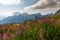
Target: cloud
x,y
9,2
41,4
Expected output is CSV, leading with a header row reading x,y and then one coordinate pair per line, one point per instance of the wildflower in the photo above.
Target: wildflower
x,y
20,32
26,27
17,32
4,36
41,34
17,27
12,36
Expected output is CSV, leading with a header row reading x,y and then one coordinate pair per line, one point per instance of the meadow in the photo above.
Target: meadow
x,y
42,29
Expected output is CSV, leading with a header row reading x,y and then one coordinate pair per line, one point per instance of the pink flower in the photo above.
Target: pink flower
x,y
12,35
17,32
44,20
20,32
41,33
17,27
26,27
4,36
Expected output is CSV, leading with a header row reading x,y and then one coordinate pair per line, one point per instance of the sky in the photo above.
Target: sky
x,y
7,7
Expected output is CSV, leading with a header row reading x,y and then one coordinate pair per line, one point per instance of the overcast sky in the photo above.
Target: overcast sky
x,y
32,6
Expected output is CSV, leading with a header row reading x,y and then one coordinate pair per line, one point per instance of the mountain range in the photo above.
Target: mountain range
x,y
20,18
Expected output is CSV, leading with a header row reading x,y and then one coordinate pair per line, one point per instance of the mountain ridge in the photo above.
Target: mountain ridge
x,y
20,18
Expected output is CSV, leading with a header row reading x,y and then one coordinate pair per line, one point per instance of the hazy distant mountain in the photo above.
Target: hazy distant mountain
x,y
20,18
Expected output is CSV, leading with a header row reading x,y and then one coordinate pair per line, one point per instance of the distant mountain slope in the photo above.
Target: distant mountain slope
x,y
19,18
54,20
56,15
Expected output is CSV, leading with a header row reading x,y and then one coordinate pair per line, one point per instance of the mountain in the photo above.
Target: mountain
x,y
56,15
20,18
